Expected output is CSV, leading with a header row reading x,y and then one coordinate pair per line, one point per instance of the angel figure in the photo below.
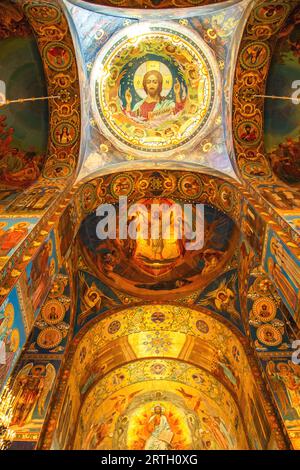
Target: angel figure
x,y
285,378
91,299
223,298
31,388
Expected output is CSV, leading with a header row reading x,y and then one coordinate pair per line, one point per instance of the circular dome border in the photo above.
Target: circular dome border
x,y
183,93
151,4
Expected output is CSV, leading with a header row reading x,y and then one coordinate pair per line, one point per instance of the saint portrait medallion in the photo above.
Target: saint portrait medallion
x,y
155,89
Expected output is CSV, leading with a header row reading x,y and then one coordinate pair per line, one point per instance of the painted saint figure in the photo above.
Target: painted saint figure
x,y
161,434
154,105
12,237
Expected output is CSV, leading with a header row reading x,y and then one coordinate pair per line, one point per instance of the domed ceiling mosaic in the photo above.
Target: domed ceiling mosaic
x,y
157,90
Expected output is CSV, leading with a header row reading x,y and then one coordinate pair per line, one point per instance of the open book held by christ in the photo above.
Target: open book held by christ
x,y
166,436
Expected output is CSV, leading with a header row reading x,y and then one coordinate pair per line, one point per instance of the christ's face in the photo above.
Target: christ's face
x,y
157,410
152,85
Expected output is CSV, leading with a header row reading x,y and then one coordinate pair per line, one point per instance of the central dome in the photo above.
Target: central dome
x,y
155,89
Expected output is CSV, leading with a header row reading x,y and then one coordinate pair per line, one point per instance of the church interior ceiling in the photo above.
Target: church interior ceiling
x,y
107,342
23,129
282,141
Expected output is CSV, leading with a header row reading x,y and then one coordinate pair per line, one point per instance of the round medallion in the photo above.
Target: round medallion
x,y
264,309
49,338
255,55
256,169
122,185
202,326
114,327
155,88
227,199
87,197
53,312
58,56
158,317
43,12
248,133
269,335
271,13
190,186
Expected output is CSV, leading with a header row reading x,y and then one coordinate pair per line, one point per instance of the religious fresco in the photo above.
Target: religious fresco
x,y
49,25
95,31
40,272
155,4
53,323
268,325
94,298
12,22
161,94
293,219
34,200
283,376
247,261
192,336
140,371
23,124
35,374
12,334
253,228
159,267
66,228
283,266
59,59
265,25
162,415
222,296
282,117
13,231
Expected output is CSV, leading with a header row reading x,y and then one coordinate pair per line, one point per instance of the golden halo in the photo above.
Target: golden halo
x,y
147,67
275,337
15,340
9,313
49,338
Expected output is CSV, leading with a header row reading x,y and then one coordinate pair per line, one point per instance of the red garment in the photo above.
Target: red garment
x,y
145,109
